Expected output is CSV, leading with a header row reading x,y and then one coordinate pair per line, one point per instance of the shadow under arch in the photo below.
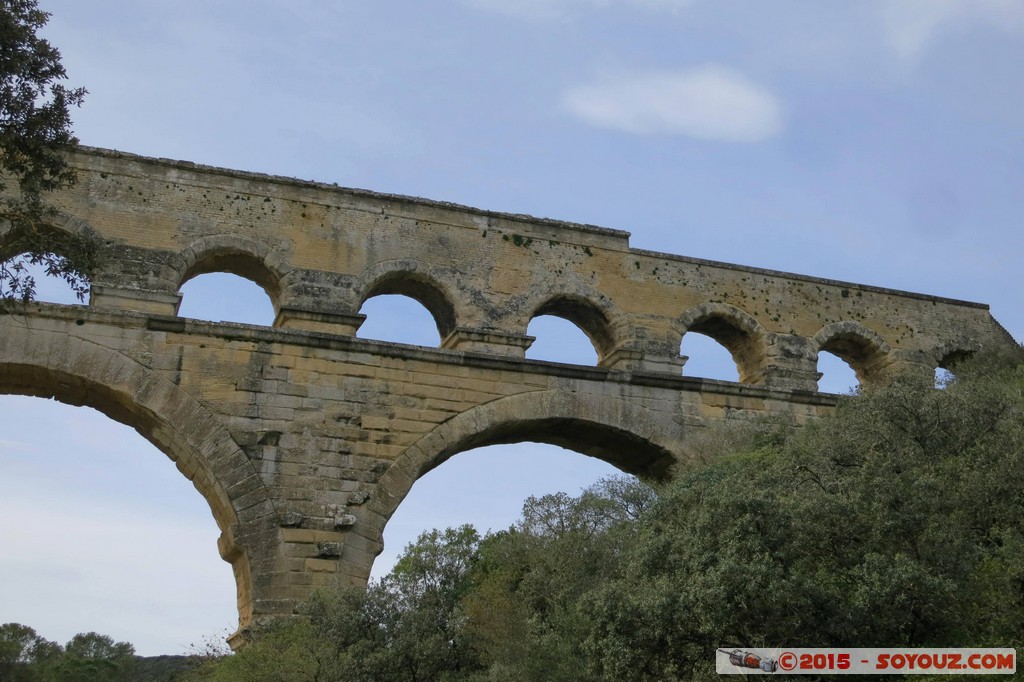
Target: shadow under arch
x,y
735,329
47,364
859,347
232,254
949,355
633,439
407,277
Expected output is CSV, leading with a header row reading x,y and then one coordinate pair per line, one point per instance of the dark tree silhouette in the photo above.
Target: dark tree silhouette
x,y
35,135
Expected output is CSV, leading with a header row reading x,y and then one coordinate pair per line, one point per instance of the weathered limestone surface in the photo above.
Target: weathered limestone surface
x,y
304,439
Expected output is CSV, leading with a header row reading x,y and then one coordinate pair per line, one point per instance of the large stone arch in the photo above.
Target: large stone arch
x,y
49,362
861,348
639,441
252,259
409,277
737,330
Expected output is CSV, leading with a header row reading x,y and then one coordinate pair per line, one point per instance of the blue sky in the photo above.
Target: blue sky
x,y
878,142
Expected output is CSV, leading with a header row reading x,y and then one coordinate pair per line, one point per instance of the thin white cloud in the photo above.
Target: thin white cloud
x,y
911,26
708,103
663,5
554,9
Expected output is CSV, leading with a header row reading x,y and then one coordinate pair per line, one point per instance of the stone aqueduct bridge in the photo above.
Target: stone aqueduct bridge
x,y
304,439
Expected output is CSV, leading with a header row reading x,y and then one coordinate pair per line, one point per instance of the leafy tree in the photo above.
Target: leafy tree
x,y
405,627
95,645
92,656
35,133
25,656
23,653
458,607
896,522
286,651
524,607
418,605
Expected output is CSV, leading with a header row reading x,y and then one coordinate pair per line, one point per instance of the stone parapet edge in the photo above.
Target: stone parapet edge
x,y
243,332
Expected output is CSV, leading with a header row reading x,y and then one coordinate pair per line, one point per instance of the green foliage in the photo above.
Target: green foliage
x,y
22,652
35,133
163,668
25,656
895,522
285,652
92,656
524,608
419,604
408,626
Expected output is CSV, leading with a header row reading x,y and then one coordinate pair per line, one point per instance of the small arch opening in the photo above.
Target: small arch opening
x,y
402,284
730,328
943,377
46,278
226,297
857,346
585,316
241,264
837,375
707,358
945,372
556,339
398,319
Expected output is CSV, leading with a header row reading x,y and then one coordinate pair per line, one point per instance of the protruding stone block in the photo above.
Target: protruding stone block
x,y
487,341
139,300
633,360
344,521
318,321
329,550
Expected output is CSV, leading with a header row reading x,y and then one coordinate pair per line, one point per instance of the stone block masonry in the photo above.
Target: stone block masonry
x,y
304,439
